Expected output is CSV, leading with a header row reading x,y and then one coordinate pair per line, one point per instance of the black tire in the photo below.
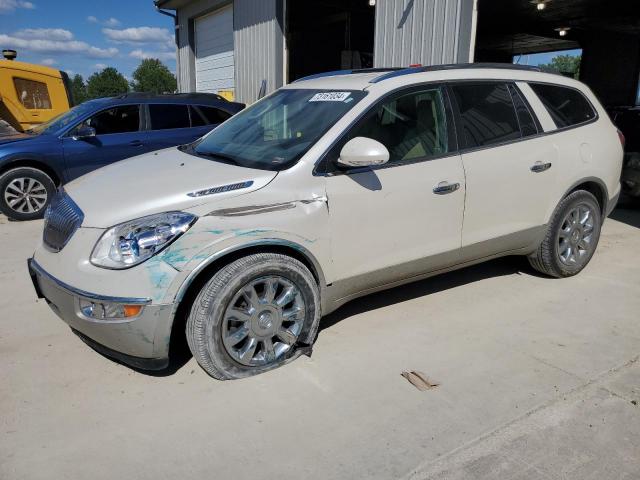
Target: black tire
x,y
20,211
548,258
206,322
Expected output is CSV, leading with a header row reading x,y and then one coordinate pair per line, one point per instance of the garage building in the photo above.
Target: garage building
x,y
242,48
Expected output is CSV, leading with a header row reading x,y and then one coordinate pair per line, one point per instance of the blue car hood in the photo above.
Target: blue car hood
x,y
15,137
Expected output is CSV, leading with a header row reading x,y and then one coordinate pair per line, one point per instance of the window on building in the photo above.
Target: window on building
x,y
33,95
566,106
488,114
412,126
165,116
201,116
123,119
528,125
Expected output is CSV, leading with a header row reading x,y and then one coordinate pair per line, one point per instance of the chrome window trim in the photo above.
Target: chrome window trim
x,y
36,268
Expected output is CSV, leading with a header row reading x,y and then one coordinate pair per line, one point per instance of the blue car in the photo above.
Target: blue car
x,y
94,134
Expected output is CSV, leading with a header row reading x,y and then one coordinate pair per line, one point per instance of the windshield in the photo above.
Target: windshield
x,y
274,133
64,119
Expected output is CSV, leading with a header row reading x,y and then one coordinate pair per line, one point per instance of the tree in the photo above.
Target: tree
x,y
154,77
107,83
568,65
78,89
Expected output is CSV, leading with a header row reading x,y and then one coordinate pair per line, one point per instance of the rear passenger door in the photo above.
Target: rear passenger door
x,y
508,165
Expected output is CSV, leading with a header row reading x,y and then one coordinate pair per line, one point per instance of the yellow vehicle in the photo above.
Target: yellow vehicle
x,y
31,94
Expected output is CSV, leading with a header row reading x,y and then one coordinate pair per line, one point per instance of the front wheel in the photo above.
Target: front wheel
x,y
25,193
252,316
572,236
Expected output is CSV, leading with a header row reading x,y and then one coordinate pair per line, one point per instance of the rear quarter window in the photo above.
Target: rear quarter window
x,y
566,106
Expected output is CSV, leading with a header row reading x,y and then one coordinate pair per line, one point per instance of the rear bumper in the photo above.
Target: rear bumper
x,y
142,341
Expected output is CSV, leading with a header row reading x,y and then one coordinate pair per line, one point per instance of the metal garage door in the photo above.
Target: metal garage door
x,y
214,51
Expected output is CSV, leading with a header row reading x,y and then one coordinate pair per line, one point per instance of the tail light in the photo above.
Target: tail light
x,y
622,139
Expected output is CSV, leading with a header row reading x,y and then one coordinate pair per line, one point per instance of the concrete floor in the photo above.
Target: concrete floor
x,y
538,380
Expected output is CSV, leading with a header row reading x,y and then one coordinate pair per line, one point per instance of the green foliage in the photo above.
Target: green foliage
x,y
78,89
567,65
153,76
107,83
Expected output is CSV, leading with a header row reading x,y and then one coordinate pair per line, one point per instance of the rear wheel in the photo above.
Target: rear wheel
x,y
25,193
572,236
252,315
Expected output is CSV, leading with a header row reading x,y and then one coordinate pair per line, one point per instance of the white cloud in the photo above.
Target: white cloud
x,y
7,6
48,61
111,22
142,54
58,34
92,19
100,66
56,46
138,35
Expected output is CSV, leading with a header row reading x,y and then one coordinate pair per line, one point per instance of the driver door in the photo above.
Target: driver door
x,y
118,136
403,218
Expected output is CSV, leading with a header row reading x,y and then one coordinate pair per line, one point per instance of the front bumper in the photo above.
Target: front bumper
x,y
142,341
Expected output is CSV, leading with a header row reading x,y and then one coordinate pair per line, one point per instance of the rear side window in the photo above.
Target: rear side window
x,y
33,95
566,106
528,125
165,116
201,116
487,113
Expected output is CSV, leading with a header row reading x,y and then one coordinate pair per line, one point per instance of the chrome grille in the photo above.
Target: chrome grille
x,y
61,220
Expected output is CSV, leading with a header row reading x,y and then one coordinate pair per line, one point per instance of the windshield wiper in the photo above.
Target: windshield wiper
x,y
214,155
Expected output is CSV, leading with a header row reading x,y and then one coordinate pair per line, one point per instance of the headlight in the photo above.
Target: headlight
x,y
133,242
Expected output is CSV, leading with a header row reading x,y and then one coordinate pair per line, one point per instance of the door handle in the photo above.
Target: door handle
x,y
135,143
540,167
445,187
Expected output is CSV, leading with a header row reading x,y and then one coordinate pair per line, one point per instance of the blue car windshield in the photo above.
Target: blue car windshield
x,y
67,118
275,132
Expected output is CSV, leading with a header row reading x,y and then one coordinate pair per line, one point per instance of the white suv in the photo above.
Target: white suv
x,y
333,187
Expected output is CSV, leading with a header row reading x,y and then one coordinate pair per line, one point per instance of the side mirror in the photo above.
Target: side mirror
x,y
84,132
363,152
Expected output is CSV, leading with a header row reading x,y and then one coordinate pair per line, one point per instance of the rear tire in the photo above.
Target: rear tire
x,y
25,193
252,316
572,236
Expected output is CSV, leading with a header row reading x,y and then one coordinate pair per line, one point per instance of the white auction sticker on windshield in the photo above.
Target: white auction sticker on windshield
x,y
330,97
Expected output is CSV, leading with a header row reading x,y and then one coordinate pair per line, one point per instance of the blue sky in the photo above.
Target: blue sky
x,y
82,36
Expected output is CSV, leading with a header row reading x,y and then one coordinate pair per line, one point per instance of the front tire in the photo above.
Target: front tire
x,y
25,193
572,236
252,316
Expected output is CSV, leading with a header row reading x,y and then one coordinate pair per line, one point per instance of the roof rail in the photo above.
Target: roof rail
x,y
336,73
457,66
180,95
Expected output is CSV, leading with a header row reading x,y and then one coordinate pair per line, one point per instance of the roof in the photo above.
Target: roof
x,y
177,98
367,79
30,67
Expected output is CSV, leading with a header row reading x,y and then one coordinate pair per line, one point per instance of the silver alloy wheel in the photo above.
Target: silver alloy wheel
x,y
263,320
25,195
575,239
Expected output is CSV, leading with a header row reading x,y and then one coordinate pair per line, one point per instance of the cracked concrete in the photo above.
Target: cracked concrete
x,y
537,378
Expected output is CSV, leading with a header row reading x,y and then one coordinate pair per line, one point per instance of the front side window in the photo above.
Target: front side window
x,y
487,113
166,116
566,106
275,132
412,126
123,119
33,95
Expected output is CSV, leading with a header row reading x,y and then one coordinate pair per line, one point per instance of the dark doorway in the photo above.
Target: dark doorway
x,y
325,35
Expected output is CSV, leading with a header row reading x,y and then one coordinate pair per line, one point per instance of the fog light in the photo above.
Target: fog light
x,y
108,311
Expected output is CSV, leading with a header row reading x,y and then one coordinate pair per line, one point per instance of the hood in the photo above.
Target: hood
x,y
14,137
157,182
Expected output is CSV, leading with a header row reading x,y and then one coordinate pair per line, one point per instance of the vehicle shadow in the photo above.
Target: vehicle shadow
x,y
438,283
628,212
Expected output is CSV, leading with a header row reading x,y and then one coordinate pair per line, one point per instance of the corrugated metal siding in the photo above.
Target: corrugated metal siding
x,y
258,47
429,32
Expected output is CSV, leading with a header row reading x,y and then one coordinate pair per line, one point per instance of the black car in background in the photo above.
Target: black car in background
x,y
98,133
627,119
